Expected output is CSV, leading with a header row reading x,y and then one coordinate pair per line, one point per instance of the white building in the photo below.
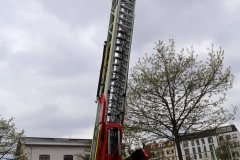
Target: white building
x,y
202,145
53,148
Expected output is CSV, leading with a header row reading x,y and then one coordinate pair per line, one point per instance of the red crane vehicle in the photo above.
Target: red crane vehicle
x,y
111,92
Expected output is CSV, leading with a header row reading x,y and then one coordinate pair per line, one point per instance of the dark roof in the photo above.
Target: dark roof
x,y
208,133
39,141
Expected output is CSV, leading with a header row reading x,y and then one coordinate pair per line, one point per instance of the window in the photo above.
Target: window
x,y
193,150
210,140
220,138
199,149
172,150
167,151
195,156
234,135
229,128
197,141
204,148
224,129
203,142
44,157
205,154
68,157
185,144
186,151
173,158
192,142
211,148
200,155
218,131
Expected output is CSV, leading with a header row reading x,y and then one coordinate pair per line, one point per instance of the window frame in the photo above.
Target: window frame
x,y
210,140
44,157
185,144
67,156
229,128
199,149
192,143
234,135
224,129
220,138
197,141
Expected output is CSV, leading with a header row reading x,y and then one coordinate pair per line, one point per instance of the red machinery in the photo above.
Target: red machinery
x,y
111,92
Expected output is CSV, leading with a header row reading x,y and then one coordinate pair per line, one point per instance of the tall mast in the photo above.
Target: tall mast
x,y
111,92
119,39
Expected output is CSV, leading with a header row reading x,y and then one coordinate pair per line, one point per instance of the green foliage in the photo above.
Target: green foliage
x,y
151,154
154,153
86,154
172,94
132,138
9,139
227,149
19,154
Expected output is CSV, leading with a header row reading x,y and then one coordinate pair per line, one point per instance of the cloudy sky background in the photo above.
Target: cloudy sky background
x,y
51,50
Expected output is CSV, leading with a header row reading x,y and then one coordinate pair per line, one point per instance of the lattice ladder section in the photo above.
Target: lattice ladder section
x,y
120,31
120,54
112,86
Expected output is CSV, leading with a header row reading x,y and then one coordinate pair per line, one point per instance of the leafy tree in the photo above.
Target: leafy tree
x,y
154,153
9,138
227,149
86,153
132,138
19,154
172,94
151,153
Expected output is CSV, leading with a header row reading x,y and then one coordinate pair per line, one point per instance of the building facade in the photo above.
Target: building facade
x,y
53,148
199,146
203,145
161,150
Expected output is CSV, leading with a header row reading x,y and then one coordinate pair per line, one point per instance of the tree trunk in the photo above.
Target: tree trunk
x,y
179,150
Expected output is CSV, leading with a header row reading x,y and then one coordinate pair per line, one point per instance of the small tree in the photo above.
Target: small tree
x,y
154,151
227,149
9,138
172,94
86,153
132,138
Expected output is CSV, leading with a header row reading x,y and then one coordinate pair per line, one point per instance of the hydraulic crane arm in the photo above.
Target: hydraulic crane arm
x,y
111,92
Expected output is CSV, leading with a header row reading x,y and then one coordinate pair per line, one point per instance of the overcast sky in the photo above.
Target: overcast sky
x,y
51,50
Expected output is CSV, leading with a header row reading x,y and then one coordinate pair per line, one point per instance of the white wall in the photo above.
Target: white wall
x,y
56,153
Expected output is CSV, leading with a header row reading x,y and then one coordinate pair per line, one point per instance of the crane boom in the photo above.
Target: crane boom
x,y
111,92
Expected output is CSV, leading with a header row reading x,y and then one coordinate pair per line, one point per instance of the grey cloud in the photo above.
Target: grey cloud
x,y
50,53
47,122
78,13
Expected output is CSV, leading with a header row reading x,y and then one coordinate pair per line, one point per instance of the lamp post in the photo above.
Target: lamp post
x,y
143,140
214,154
230,152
